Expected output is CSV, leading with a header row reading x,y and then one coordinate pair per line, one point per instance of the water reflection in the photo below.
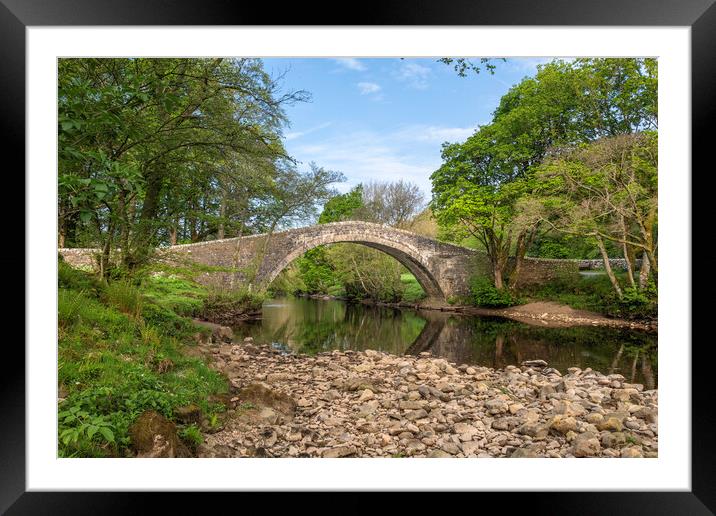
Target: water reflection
x,y
310,326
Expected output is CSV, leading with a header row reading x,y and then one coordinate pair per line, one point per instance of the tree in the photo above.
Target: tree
x,y
477,189
393,203
342,207
607,190
148,148
462,65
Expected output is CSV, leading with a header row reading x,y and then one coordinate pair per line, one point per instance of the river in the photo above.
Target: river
x,y
311,325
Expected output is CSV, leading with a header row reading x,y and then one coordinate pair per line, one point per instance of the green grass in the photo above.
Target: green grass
x,y
412,289
174,293
120,353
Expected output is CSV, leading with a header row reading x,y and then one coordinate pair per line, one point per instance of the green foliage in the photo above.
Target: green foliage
x,y
175,293
316,270
595,293
484,293
228,306
69,306
79,430
124,296
191,435
412,290
342,207
485,187
635,303
71,278
160,150
109,364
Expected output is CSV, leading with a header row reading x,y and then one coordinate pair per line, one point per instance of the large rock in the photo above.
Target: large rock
x,y
219,333
356,383
563,424
263,398
586,445
154,436
524,453
188,414
339,451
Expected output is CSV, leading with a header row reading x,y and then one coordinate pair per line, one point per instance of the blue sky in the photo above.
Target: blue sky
x,y
386,118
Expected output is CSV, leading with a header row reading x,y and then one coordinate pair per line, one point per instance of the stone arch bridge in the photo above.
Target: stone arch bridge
x,y
443,270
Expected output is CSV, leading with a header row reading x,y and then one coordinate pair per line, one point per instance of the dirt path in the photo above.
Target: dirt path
x,y
549,314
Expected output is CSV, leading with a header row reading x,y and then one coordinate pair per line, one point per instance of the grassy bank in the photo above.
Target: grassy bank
x,y
121,351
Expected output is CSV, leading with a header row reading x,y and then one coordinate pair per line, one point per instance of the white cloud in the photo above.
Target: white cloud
x,y
414,74
367,88
297,134
435,134
351,63
367,155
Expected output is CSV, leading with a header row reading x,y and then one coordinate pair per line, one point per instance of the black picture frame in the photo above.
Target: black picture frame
x,y
17,15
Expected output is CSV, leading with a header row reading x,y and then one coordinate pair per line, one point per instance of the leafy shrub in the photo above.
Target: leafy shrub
x,y
78,429
553,250
228,306
191,435
69,277
70,304
146,399
635,303
166,319
484,293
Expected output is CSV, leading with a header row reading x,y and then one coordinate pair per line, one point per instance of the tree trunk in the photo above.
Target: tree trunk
x,y
644,272
173,230
524,241
150,209
222,214
627,255
497,273
608,267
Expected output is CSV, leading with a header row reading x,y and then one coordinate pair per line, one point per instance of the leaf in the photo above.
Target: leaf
x,y
92,430
107,434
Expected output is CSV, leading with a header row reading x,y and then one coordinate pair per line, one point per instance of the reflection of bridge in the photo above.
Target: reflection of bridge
x,y
443,270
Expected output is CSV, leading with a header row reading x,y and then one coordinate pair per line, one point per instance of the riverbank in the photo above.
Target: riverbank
x,y
373,404
546,314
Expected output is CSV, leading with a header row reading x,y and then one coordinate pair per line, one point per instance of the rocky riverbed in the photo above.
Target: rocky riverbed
x,y
373,404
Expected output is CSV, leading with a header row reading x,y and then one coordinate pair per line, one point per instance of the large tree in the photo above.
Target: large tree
x,y
153,148
607,190
477,188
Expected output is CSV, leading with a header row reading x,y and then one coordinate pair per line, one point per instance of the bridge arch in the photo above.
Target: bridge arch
x,y
407,254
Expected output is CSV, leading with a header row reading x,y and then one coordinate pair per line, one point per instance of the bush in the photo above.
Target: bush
x,y
177,294
634,303
228,306
191,435
70,278
484,293
69,306
108,364
164,318
123,296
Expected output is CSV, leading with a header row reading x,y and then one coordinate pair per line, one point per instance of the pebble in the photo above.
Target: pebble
x,y
373,404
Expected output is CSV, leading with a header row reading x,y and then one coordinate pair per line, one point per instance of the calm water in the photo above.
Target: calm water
x,y
310,325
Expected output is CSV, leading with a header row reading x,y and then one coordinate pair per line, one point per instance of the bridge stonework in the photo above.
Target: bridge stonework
x,y
443,270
